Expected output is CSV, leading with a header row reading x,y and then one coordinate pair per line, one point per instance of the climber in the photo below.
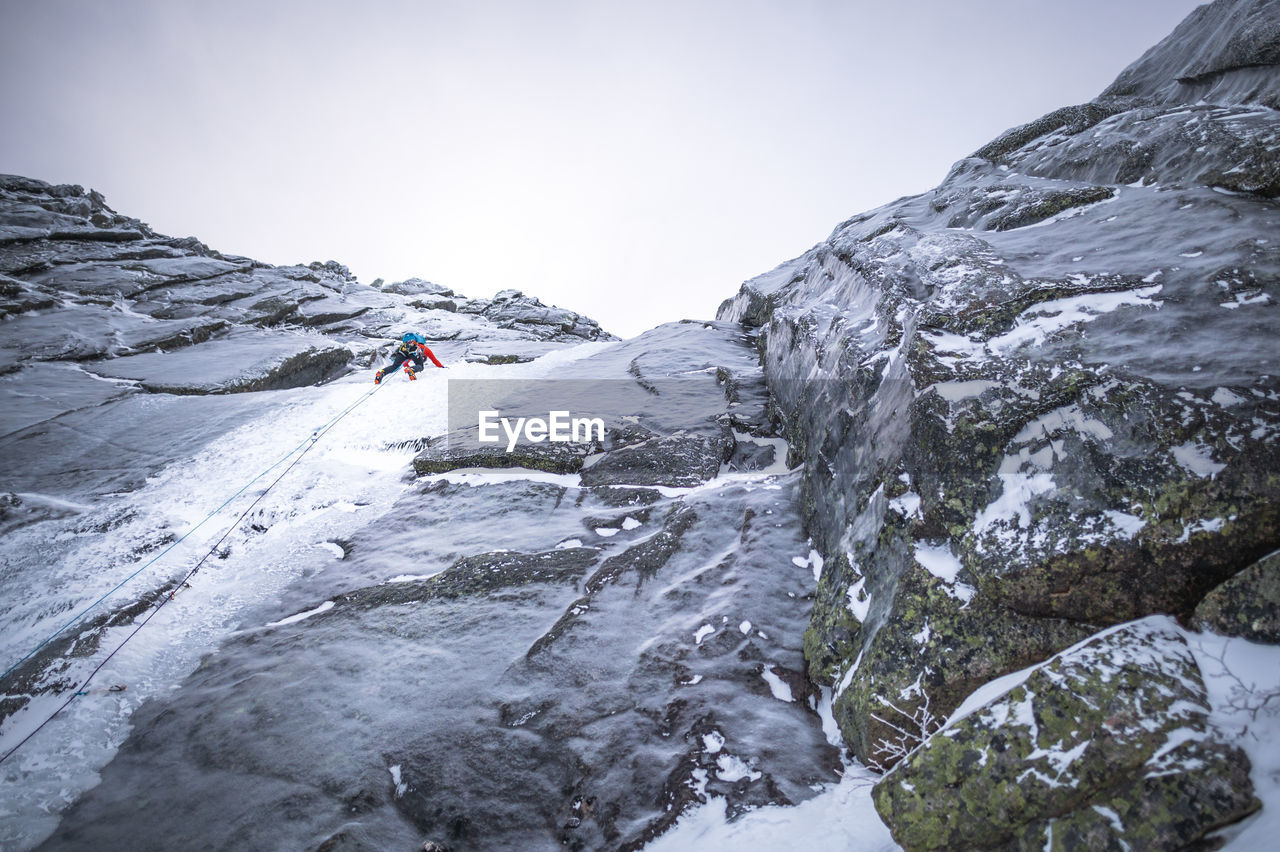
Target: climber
x,y
413,347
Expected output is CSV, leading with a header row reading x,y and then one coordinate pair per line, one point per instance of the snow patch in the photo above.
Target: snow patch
x,y
908,504
780,689
1213,525
859,601
1014,500
335,549
1066,418
397,781
1036,324
302,616
1127,525
481,476
840,819
730,769
1226,398
813,560
957,391
939,561
1197,459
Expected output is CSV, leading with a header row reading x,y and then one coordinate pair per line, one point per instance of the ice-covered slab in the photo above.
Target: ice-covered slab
x,y
245,360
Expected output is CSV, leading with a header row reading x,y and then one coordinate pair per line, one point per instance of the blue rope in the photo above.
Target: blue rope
x,y
314,436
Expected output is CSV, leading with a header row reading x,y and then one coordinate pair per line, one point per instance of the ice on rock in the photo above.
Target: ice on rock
x,y
493,604
302,616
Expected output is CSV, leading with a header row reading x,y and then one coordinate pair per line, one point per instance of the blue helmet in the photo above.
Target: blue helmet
x,y
408,338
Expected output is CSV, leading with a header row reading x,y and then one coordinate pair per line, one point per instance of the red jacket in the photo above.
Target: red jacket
x,y
422,347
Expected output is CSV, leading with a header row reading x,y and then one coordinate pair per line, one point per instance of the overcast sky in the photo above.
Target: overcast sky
x,y
634,161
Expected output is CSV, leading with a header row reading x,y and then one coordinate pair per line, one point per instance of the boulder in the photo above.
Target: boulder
x,y
1106,745
1247,605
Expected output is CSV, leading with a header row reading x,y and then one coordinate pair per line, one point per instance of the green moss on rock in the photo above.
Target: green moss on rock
x,y
1118,722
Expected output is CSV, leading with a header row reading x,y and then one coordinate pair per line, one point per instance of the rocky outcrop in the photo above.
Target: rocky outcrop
x,y
1048,399
244,360
1104,746
458,452
657,425
1224,52
673,460
513,309
100,311
80,282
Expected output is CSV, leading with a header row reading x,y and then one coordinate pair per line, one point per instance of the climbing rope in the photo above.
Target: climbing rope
x,y
80,688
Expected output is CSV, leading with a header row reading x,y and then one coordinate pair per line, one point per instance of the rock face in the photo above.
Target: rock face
x,y
1050,399
1105,745
1053,401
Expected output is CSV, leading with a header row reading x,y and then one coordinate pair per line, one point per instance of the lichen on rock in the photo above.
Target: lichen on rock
x,y
1246,605
1042,378
1115,727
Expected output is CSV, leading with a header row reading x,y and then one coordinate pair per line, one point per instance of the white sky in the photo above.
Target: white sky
x,y
634,161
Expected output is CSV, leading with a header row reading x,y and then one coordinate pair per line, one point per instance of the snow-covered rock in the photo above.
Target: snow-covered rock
x,y
1033,403
86,283
1044,397
1106,745
243,360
